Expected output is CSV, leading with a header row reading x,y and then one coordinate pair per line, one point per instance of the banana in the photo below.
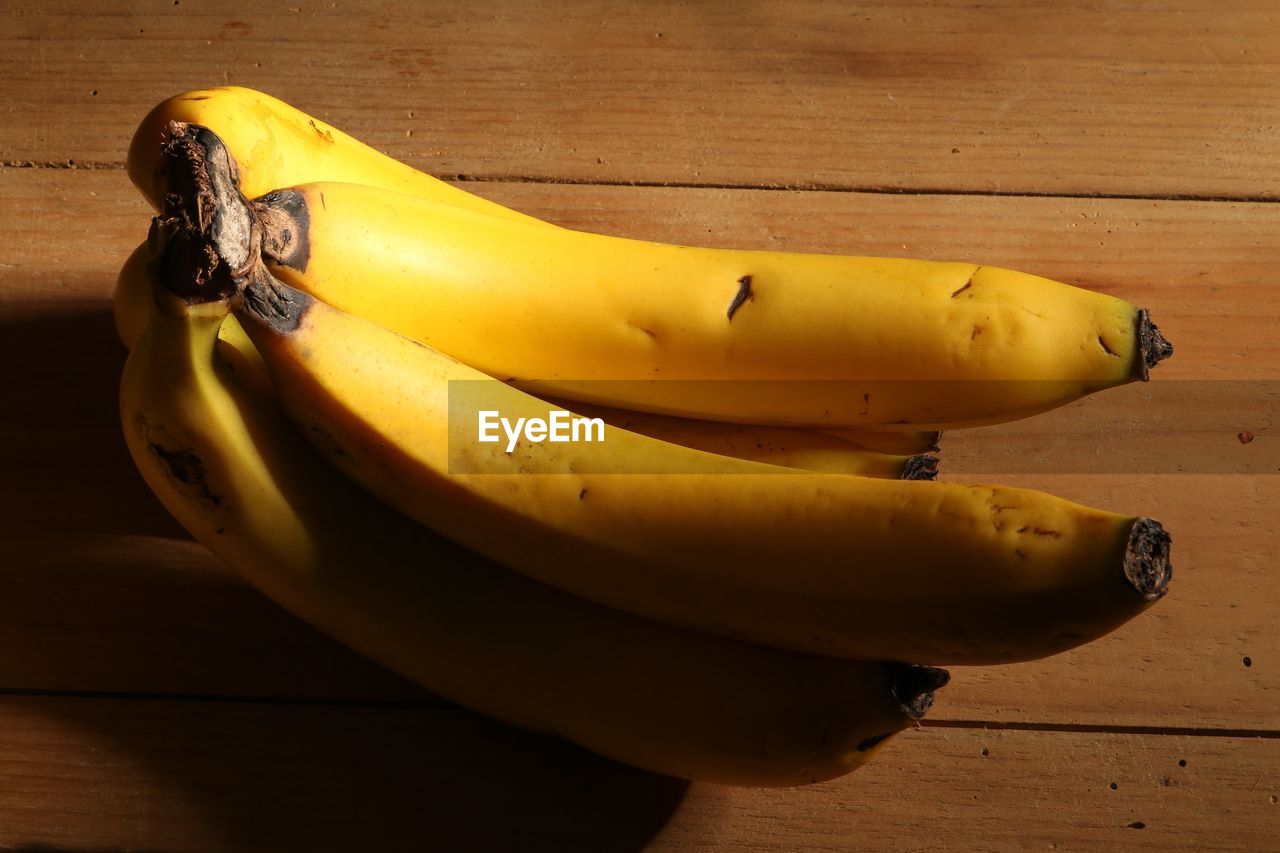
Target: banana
x,y
903,455
789,448
784,339
793,448
277,145
220,455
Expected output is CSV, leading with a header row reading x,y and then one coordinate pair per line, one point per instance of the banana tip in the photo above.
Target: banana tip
x,y
921,467
1154,347
1146,558
913,688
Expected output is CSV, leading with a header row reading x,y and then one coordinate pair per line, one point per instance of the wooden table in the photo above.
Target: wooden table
x,y
150,700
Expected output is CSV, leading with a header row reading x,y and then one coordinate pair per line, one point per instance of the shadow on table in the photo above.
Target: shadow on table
x,y
294,774
66,469
245,776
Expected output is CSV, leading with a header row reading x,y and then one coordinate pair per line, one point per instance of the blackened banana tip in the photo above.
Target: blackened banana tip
x,y
1153,347
921,467
1147,566
913,688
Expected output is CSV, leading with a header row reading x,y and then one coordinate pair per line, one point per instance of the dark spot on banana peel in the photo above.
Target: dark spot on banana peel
x,y
286,228
323,134
739,299
582,495
187,468
962,288
272,303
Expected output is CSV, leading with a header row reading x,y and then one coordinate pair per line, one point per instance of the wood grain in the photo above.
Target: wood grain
x,y
166,618
1006,97
90,774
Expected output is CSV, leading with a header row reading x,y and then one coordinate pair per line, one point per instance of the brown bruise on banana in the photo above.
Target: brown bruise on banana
x,y
286,228
741,297
183,465
273,304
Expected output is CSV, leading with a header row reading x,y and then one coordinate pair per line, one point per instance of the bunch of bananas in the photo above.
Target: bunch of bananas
x,y
305,310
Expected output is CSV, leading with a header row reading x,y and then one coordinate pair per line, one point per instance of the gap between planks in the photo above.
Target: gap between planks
x,y
820,187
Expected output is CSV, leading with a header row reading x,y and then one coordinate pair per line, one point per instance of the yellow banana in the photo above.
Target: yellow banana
x,y
790,448
793,448
223,459
277,145
848,566
776,338
870,454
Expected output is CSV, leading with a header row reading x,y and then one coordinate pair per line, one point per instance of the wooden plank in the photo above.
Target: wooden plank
x,y
1012,97
148,775
94,555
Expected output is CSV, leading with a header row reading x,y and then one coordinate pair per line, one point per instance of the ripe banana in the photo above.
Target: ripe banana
x,y
786,339
793,448
277,145
223,459
790,448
